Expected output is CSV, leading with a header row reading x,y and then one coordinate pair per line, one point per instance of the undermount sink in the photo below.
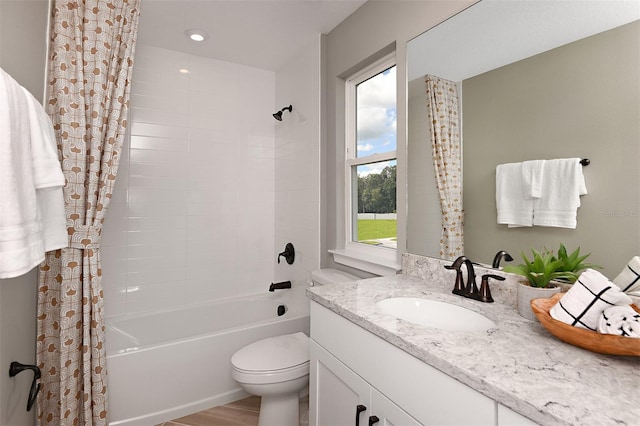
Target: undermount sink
x,y
435,314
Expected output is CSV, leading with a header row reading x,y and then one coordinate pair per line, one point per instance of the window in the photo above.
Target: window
x,y
371,160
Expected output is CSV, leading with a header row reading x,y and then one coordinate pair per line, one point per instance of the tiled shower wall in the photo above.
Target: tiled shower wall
x,y
297,185
192,218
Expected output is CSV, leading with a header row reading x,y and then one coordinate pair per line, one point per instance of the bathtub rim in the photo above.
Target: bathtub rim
x,y
254,297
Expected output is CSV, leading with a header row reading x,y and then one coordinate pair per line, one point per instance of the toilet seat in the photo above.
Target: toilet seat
x,y
272,360
274,376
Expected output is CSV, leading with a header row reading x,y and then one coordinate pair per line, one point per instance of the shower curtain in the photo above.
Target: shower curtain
x,y
444,130
90,63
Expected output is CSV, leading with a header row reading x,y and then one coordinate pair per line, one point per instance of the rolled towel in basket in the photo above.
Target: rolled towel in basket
x,y
621,321
629,279
584,303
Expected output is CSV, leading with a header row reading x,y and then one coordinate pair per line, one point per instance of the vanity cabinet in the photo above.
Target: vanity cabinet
x,y
342,397
350,366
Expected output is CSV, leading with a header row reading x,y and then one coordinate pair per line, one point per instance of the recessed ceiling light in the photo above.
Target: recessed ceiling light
x,y
197,35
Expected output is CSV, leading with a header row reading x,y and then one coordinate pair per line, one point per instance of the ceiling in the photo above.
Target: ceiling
x,y
258,33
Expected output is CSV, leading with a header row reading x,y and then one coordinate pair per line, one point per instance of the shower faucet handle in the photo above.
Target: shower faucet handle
x,y
289,254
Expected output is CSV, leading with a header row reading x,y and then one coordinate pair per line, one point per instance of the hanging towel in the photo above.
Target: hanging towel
x,y
621,321
584,303
629,279
562,185
47,175
513,208
22,244
532,172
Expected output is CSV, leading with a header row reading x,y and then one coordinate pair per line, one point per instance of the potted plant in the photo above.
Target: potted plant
x,y
573,264
545,273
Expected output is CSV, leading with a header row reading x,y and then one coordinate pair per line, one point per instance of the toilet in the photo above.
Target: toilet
x,y
277,368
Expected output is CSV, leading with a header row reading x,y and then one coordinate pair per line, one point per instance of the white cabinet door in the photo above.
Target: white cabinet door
x,y
337,394
339,397
388,413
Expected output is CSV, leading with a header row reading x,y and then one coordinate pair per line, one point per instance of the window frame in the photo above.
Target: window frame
x,y
372,256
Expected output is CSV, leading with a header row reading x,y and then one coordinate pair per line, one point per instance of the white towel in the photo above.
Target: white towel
x,y
48,177
22,244
513,209
629,279
621,321
589,296
562,185
532,172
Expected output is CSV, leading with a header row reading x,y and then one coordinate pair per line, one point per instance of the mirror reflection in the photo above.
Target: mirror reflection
x,y
535,80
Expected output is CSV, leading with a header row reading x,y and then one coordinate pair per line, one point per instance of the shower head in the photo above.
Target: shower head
x,y
278,115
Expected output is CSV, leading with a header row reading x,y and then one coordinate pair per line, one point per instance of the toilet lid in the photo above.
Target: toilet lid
x,y
273,353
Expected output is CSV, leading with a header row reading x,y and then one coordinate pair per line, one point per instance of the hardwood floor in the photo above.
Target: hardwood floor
x,y
239,413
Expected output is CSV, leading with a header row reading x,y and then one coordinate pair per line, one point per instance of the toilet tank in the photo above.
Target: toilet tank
x,y
331,276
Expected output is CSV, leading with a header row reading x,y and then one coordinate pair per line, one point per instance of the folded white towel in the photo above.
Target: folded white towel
x,y
621,321
532,172
512,207
629,279
562,185
584,303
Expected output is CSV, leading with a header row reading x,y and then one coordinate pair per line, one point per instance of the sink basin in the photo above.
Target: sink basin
x,y
435,314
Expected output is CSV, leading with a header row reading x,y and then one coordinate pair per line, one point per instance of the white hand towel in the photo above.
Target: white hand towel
x,y
629,279
513,209
621,321
532,172
562,185
47,172
20,246
22,237
48,177
584,303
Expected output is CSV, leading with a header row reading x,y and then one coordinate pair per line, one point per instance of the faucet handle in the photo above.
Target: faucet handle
x,y
485,292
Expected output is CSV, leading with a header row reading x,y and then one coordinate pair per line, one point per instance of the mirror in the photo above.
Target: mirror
x,y
537,80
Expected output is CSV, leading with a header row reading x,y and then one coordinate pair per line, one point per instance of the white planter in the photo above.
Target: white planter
x,y
526,294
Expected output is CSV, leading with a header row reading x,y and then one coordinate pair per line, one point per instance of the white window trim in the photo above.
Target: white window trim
x,y
377,260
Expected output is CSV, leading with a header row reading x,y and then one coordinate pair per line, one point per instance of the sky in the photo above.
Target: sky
x,y
376,119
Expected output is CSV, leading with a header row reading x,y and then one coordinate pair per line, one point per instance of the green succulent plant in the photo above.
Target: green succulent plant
x,y
573,264
545,267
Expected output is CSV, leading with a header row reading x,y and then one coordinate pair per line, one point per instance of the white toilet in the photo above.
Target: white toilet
x,y
277,368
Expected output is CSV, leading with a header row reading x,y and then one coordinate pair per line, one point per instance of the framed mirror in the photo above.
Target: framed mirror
x,y
536,80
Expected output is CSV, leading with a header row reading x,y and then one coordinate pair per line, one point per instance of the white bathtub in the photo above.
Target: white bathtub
x,y
170,364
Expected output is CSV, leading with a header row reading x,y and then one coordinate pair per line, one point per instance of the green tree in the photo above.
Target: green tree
x,y
377,192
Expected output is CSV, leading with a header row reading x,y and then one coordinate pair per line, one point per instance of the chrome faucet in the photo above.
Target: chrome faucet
x,y
470,289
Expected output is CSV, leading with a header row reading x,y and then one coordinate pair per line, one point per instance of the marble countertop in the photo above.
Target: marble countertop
x,y
518,364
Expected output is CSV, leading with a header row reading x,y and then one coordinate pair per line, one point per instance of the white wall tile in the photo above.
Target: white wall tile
x,y
145,298
195,202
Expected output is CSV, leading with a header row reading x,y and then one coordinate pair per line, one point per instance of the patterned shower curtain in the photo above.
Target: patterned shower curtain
x,y
90,63
444,129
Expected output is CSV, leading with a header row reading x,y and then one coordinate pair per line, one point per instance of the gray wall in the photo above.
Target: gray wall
x,y
367,34
22,55
579,100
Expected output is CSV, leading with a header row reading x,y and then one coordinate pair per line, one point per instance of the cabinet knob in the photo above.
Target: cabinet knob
x,y
359,409
373,420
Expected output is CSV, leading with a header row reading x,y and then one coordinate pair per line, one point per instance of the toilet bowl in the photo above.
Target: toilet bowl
x,y
277,368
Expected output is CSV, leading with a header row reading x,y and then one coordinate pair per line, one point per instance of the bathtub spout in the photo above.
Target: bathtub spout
x,y
280,286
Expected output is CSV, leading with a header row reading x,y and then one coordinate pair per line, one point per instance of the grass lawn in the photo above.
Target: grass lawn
x,y
374,229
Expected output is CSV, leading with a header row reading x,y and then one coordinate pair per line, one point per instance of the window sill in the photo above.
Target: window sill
x,y
366,262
